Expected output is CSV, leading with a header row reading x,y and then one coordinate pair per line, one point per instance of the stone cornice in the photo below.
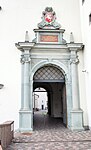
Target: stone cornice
x,y
24,45
45,46
75,46
30,45
49,30
50,46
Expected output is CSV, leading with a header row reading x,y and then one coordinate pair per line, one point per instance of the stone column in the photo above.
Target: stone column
x,y
75,86
25,113
76,113
22,81
25,69
26,80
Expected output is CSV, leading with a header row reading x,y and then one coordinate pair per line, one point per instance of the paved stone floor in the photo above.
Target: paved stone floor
x,y
50,134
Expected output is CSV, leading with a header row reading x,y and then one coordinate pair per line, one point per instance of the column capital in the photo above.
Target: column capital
x,y
74,61
25,58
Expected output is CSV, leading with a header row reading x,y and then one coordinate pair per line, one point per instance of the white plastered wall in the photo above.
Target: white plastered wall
x,y
85,11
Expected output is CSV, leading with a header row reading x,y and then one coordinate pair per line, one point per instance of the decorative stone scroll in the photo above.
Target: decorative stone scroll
x,y
25,59
74,61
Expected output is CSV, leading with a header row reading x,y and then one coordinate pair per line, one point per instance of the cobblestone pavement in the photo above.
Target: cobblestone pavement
x,y
50,134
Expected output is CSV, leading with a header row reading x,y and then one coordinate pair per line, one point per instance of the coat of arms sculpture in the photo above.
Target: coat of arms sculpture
x,y
49,19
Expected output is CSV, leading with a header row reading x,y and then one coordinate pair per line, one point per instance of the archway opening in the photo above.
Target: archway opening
x,y
40,99
52,80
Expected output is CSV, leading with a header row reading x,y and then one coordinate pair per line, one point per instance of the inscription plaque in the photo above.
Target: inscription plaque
x,y
48,38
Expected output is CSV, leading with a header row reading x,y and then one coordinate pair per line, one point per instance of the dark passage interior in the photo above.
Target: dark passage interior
x,y
52,80
55,114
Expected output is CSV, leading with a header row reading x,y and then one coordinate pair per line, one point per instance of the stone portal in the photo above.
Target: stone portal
x,y
49,52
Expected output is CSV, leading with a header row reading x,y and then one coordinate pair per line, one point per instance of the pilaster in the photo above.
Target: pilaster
x,y
76,112
26,112
26,60
74,74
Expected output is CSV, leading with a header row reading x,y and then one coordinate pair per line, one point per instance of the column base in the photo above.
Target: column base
x,y
25,121
77,120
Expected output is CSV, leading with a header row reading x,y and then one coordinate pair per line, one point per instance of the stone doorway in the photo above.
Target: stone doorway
x,y
52,63
52,80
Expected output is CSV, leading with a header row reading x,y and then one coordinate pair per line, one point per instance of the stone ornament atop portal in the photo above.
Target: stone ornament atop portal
x,y
49,19
49,31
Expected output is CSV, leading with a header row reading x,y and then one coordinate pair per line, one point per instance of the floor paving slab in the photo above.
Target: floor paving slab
x,y
51,134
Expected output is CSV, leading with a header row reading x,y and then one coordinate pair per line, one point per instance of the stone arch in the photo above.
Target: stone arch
x,y
57,64
49,72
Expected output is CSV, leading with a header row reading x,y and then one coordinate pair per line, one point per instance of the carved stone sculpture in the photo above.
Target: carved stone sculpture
x,y
49,19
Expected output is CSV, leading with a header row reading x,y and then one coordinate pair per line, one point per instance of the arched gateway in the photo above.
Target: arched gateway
x,y
52,79
48,61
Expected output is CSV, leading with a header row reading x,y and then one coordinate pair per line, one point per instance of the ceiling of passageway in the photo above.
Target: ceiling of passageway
x,y
47,86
